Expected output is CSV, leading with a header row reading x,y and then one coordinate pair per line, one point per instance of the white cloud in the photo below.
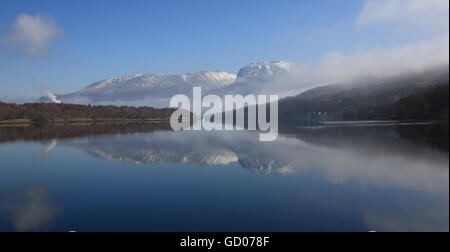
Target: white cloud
x,y
32,35
414,13
411,16
430,51
377,62
385,62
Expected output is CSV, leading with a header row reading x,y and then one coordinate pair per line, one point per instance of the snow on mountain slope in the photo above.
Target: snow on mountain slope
x,y
265,78
141,82
265,70
157,90
146,86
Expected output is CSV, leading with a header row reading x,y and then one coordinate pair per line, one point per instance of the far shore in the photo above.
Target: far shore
x,y
28,122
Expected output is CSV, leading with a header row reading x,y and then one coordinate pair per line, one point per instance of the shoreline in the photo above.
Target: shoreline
x,y
28,122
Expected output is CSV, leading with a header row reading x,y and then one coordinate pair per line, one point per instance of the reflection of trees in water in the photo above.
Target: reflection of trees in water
x,y
52,132
435,136
389,136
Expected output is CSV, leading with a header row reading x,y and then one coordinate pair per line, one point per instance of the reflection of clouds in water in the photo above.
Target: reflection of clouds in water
x,y
31,210
414,220
424,172
383,171
47,147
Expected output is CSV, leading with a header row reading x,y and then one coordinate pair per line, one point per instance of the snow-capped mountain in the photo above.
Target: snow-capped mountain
x,y
157,90
263,71
207,80
147,86
264,78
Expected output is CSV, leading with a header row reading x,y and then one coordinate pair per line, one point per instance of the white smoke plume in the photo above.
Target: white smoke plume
x,y
46,93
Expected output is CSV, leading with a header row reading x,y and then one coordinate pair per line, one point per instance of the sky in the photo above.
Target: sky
x,y
69,44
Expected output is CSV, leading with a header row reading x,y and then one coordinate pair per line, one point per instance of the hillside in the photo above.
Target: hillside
x,y
414,96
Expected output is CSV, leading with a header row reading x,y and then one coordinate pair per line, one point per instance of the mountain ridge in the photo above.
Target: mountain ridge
x,y
157,89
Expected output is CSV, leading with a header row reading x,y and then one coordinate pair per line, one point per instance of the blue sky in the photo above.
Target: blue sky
x,y
109,38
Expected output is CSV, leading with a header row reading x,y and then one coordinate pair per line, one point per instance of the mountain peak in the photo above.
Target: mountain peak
x,y
265,70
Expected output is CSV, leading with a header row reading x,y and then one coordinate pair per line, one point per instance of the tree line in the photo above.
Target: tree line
x,y
427,103
43,112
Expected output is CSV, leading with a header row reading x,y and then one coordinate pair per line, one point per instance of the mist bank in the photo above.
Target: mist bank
x,y
420,95
414,96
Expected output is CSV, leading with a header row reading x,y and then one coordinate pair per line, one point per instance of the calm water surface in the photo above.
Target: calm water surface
x,y
383,177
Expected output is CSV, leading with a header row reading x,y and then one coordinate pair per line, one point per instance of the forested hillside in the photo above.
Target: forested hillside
x,y
425,103
43,113
418,96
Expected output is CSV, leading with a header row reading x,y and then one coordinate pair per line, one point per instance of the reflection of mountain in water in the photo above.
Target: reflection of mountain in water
x,y
184,147
352,149
147,155
153,149
265,165
391,177
262,160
